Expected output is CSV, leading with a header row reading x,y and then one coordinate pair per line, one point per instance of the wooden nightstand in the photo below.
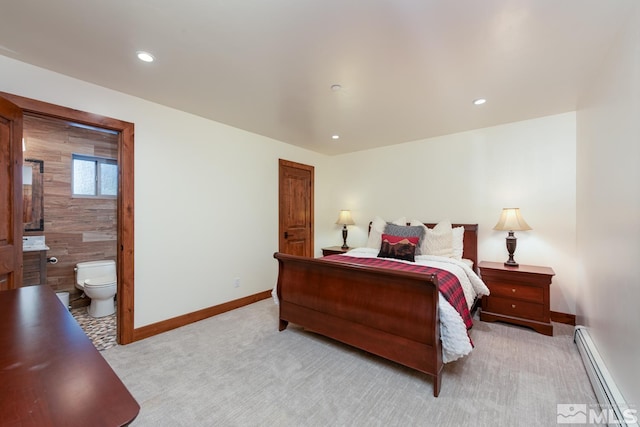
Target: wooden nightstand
x,y
519,295
333,250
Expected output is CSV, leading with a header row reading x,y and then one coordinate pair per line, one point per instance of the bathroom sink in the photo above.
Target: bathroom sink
x,y
33,243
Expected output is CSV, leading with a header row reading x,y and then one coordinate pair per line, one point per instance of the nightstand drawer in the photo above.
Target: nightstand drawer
x,y
514,308
520,292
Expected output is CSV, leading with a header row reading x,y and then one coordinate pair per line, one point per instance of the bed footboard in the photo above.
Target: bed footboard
x,y
388,313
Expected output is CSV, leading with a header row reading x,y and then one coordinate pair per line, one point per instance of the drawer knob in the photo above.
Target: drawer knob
x,y
513,306
513,290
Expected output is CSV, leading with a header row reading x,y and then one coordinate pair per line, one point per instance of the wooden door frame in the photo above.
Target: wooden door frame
x,y
125,239
13,249
311,169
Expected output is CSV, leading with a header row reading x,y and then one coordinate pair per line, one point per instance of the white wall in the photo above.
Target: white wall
x,y
206,196
469,177
608,217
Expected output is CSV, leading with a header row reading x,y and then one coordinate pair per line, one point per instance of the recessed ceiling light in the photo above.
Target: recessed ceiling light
x,y
145,56
335,136
479,101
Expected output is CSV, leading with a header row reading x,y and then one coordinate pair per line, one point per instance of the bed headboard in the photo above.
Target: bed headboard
x,y
470,241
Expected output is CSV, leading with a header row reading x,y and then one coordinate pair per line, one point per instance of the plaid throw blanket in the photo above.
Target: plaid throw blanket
x,y
448,283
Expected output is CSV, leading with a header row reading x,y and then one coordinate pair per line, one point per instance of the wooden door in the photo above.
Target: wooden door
x,y
296,209
10,195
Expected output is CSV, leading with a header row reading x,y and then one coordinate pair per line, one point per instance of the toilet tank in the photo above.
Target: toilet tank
x,y
93,269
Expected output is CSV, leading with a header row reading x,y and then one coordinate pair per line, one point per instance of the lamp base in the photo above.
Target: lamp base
x,y
344,237
511,248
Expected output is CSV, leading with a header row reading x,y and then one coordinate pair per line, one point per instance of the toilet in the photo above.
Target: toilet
x,y
97,279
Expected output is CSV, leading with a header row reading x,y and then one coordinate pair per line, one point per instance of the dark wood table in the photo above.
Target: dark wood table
x,y
50,372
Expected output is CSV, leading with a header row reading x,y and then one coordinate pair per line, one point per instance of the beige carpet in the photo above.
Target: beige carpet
x,y
236,369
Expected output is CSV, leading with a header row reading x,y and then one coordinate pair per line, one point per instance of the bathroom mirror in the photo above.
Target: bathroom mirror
x,y
33,195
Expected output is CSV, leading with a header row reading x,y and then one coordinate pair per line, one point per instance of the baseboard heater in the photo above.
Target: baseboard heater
x,y
609,397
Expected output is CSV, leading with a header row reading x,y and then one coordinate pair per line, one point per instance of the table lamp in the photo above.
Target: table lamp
x,y
344,219
511,220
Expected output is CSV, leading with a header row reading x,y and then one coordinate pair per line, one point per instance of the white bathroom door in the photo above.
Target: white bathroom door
x,y
10,194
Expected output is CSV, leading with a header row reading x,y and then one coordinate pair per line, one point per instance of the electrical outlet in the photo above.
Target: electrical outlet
x,y
236,282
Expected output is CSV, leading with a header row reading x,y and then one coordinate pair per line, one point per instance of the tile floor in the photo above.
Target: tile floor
x,y
101,331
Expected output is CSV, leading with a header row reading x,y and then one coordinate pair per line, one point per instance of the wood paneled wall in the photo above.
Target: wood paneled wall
x,y
76,229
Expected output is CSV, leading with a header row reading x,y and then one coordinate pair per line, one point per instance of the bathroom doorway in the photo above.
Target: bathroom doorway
x,y
79,210
124,200
76,166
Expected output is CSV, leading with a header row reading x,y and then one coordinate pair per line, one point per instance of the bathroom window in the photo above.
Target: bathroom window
x,y
94,177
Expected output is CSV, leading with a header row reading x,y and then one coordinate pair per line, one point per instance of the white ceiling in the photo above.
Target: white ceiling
x,y
409,69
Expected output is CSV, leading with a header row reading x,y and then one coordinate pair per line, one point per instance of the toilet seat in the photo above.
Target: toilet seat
x,y
98,282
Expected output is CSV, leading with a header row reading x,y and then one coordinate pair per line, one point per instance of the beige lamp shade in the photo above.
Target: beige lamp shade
x,y
345,218
511,220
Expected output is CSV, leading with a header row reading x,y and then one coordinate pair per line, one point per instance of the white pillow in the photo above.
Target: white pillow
x,y
377,228
457,239
458,242
439,240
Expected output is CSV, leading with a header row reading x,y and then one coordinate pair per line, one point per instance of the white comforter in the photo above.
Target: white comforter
x,y
453,332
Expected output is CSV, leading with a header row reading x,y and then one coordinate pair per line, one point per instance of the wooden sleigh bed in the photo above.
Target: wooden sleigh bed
x,y
392,314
